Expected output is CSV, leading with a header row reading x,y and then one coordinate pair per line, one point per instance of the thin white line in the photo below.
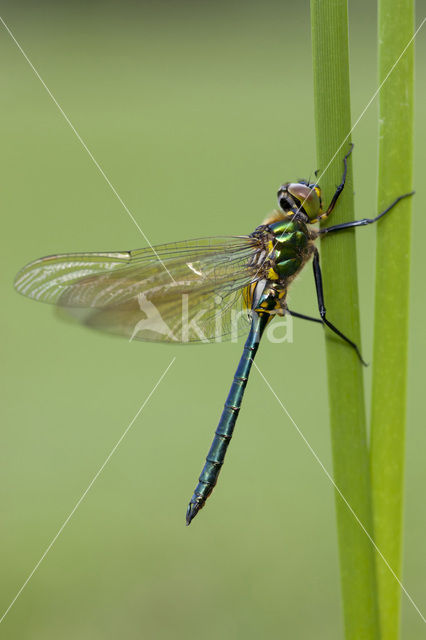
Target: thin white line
x,y
366,107
375,94
84,145
329,476
84,494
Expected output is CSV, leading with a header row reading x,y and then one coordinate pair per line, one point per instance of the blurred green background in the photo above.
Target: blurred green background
x,y
197,112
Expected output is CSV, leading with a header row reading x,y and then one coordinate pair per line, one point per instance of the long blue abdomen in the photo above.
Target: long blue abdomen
x,y
225,429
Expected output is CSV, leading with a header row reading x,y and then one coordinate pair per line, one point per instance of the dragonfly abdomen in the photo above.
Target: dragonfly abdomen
x,y
225,429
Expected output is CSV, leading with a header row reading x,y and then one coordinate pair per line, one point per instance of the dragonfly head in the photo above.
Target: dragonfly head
x,y
295,197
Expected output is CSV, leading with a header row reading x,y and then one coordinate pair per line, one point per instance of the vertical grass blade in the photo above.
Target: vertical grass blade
x,y
396,25
345,375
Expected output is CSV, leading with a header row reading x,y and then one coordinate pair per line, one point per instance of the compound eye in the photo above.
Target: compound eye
x,y
286,204
285,201
308,198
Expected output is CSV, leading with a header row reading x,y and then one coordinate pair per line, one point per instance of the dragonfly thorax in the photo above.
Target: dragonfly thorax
x,y
287,245
290,248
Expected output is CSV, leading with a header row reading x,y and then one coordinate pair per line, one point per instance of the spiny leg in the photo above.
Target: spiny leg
x,y
365,221
303,316
339,188
321,306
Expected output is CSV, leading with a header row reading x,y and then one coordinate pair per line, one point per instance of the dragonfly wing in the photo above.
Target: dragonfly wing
x,y
183,292
48,278
181,315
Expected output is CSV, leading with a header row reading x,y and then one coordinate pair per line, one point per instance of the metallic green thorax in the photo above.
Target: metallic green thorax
x,y
292,247
288,244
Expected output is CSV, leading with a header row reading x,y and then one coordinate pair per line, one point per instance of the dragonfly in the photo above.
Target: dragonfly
x,y
201,290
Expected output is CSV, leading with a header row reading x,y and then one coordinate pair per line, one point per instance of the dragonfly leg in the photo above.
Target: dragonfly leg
x,y
365,221
322,310
303,316
339,188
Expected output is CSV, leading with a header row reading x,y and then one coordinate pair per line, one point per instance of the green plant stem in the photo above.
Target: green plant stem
x,y
396,24
345,375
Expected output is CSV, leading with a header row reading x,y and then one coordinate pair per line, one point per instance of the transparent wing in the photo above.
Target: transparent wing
x,y
181,292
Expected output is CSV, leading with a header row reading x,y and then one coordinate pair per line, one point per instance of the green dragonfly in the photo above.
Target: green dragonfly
x,y
202,290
